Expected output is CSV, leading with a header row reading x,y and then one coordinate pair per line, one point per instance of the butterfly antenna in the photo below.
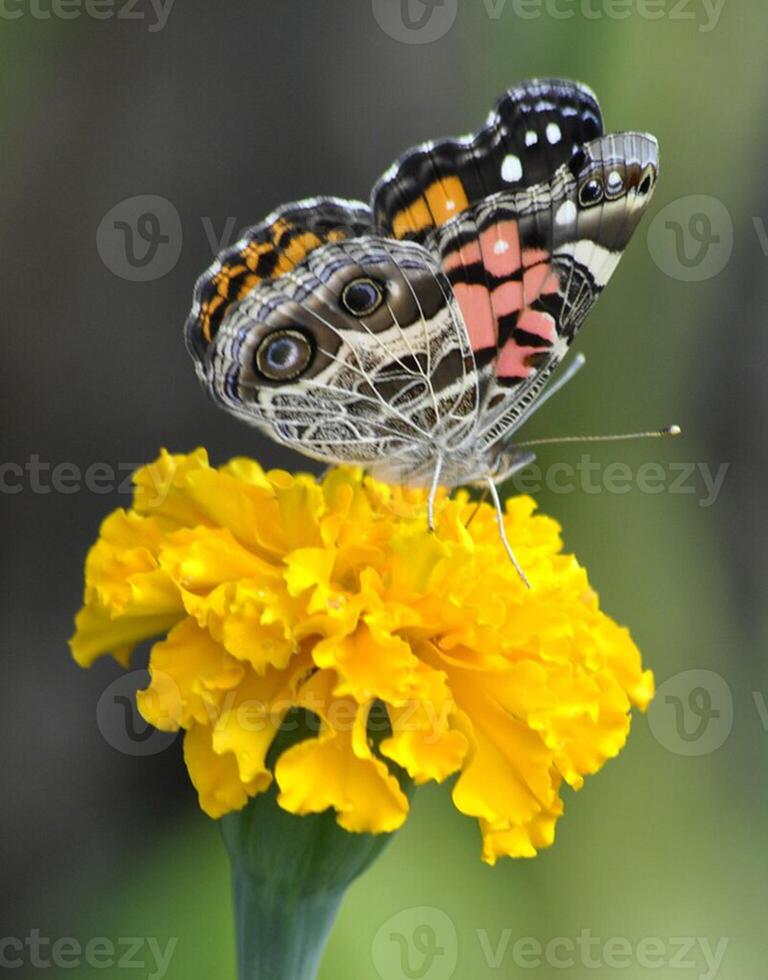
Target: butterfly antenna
x,y
502,530
670,430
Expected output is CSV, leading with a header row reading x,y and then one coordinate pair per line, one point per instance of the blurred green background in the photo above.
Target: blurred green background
x,y
227,110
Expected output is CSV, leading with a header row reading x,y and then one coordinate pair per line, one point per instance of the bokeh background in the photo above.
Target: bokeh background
x,y
225,110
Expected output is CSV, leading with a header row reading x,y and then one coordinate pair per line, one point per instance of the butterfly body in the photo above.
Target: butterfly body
x,y
413,336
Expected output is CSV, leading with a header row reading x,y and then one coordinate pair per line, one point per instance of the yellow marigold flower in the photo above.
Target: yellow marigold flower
x,y
282,592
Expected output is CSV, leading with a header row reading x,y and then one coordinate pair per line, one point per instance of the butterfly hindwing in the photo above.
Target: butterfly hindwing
x,y
353,350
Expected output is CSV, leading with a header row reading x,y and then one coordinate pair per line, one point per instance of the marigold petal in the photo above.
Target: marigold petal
x,y
425,740
199,559
249,722
97,633
161,488
189,671
326,771
371,663
337,768
521,841
215,777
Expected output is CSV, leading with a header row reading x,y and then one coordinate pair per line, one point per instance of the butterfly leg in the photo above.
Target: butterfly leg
x,y
478,505
433,493
502,530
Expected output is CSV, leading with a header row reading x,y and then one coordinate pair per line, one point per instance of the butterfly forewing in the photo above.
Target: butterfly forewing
x,y
525,247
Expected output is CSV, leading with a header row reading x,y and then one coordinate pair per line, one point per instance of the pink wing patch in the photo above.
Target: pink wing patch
x,y
522,276
477,310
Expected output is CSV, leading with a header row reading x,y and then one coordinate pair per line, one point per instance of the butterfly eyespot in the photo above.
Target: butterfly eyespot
x,y
591,192
614,185
283,355
646,183
361,297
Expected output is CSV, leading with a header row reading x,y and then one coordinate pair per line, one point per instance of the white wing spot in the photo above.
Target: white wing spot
x,y
450,205
511,169
501,246
553,133
566,213
531,137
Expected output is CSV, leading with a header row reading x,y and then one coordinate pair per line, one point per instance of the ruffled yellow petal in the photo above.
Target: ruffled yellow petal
x,y
281,592
427,740
162,488
128,598
371,663
215,776
338,769
189,674
97,632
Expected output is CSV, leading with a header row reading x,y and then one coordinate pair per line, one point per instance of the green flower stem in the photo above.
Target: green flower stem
x,y
280,935
289,876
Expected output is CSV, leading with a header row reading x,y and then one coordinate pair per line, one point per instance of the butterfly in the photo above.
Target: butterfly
x,y
415,334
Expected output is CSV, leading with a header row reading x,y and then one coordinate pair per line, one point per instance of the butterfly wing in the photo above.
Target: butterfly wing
x,y
535,128
270,249
427,324
343,344
529,217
